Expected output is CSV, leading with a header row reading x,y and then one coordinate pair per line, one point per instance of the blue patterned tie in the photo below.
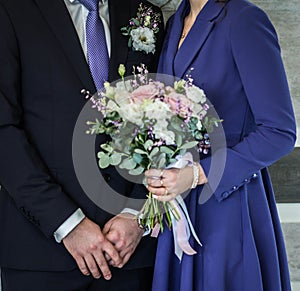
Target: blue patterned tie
x,y
97,53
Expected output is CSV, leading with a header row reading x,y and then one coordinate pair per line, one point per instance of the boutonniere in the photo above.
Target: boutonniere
x,y
142,29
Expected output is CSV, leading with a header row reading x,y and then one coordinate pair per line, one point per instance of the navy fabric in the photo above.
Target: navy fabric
x,y
236,59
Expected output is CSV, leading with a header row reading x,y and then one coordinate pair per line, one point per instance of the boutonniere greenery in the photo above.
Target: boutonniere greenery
x,y
142,29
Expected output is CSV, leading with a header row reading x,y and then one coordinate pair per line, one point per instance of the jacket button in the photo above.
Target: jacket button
x,y
225,194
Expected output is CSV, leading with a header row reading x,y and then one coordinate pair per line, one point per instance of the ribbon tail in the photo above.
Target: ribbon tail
x,y
155,230
181,233
180,201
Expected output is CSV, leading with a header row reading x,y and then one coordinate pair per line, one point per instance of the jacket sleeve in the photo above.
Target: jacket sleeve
x,y
22,171
257,56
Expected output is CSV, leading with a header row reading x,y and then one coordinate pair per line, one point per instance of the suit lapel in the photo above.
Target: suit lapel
x,y
196,38
56,14
119,13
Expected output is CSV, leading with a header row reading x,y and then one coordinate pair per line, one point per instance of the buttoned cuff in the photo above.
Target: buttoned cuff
x,y
69,225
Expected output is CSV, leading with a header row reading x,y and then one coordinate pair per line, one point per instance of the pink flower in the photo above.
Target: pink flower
x,y
179,103
145,92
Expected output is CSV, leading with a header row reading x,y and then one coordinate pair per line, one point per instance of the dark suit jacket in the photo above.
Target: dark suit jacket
x,y
43,70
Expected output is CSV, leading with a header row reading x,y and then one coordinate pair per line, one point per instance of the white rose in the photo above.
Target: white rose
x,y
195,94
132,112
157,110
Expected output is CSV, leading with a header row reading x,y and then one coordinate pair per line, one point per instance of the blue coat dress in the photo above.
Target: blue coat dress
x,y
234,52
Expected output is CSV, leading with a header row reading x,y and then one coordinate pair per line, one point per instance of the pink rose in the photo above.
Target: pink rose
x,y
145,92
179,103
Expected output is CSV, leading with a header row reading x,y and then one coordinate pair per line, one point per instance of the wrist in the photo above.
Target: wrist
x,y
199,176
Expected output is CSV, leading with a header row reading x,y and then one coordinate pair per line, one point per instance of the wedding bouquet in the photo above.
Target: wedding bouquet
x,y
152,125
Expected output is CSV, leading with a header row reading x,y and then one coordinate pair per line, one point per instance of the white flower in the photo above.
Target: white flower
x,y
165,135
112,106
133,113
157,110
109,90
122,92
195,94
143,39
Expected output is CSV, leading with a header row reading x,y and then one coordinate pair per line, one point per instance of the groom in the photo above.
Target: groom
x,y
51,232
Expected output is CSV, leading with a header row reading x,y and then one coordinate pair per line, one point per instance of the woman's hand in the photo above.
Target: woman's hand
x,y
167,184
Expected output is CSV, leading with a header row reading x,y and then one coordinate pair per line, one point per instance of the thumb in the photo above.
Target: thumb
x,y
107,227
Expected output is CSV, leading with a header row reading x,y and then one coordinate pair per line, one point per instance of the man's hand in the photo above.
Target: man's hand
x,y
88,246
123,231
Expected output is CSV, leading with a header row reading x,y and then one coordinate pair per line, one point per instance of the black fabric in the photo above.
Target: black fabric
x,y
43,70
122,280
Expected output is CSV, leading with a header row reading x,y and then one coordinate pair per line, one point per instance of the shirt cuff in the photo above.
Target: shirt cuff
x,y
69,225
136,214
131,211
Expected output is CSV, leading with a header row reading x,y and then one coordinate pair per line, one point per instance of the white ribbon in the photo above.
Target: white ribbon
x,y
182,227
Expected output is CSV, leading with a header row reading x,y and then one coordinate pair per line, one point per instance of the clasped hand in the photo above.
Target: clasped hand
x,y
94,250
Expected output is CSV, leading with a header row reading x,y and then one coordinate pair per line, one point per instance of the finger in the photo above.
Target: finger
x,y
82,266
165,198
155,182
159,191
155,173
92,266
126,258
102,265
112,253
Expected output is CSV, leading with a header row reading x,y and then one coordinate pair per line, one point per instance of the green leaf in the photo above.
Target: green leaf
x,y
115,159
136,171
154,152
136,22
107,147
189,145
166,150
178,140
148,144
101,154
162,163
128,164
138,158
139,151
104,162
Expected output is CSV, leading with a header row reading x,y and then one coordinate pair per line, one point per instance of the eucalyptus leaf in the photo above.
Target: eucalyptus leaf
x,y
138,158
162,163
104,162
166,150
107,147
189,145
115,159
178,140
139,151
101,154
154,152
136,171
128,164
148,144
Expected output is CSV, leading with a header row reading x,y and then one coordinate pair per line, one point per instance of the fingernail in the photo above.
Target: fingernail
x,y
120,266
107,277
154,196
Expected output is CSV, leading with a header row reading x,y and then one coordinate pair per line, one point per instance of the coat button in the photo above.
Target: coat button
x,y
225,194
